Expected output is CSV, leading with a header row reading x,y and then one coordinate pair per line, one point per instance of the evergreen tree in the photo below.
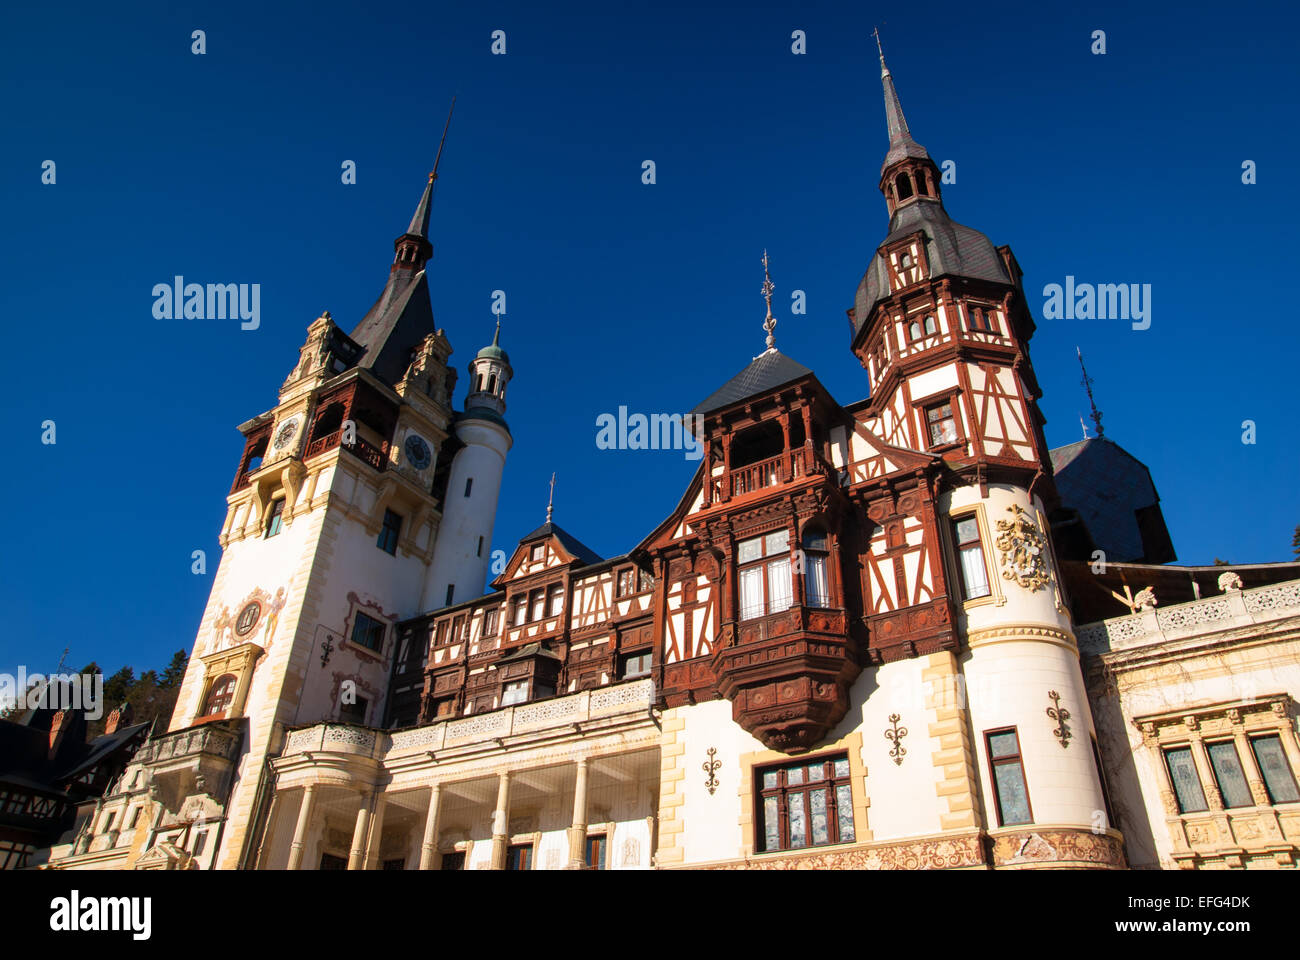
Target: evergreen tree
x,y
175,672
118,686
1295,542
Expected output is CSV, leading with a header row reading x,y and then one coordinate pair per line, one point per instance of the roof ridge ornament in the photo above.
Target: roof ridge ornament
x,y
1087,382
550,500
769,323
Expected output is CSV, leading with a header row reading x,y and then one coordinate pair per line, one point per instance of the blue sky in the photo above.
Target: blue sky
x,y
226,167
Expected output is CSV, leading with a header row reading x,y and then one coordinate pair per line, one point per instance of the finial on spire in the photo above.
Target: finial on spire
x,y
1085,427
496,337
550,501
884,70
1087,382
433,175
769,323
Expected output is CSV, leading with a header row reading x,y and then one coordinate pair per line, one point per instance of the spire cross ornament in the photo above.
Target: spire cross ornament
x,y
550,501
769,323
884,70
1087,382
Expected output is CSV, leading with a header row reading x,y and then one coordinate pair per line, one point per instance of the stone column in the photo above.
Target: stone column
x,y
375,840
357,855
578,832
297,848
501,822
430,859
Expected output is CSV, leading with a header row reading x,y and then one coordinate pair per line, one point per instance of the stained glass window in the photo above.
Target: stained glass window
x,y
1278,778
1229,775
1009,787
1187,783
806,804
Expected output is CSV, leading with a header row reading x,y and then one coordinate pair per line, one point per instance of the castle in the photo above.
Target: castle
x,y
898,633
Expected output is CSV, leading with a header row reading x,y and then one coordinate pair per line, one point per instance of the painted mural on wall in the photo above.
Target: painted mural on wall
x,y
254,620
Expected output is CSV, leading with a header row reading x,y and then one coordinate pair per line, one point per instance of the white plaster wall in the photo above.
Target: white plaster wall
x,y
456,557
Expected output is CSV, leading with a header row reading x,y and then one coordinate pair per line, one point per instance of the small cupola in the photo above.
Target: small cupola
x,y
489,372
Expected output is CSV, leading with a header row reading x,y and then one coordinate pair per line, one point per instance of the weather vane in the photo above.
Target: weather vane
x,y
769,324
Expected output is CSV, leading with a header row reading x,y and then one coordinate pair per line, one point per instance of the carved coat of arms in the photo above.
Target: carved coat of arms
x,y
1024,550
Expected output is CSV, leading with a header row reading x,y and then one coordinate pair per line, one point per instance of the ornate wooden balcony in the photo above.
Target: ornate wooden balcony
x,y
755,478
368,453
788,674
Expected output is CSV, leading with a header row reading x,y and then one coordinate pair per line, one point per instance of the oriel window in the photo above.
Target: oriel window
x,y
516,692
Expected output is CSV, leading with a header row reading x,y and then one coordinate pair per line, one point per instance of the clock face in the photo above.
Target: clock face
x,y
248,618
417,451
286,432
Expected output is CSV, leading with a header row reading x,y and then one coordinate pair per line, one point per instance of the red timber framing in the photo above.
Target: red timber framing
x,y
546,630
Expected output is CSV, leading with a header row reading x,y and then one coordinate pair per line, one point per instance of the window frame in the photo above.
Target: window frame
x,y
1286,762
1231,744
765,562
274,518
1018,758
959,547
599,841
389,532
782,792
525,852
371,623
1165,751
231,682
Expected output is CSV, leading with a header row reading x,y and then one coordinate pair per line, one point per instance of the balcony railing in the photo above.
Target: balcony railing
x,y
1228,610
366,452
564,711
212,739
756,477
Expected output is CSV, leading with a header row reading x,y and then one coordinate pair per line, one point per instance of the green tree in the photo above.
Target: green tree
x,y
1295,542
175,672
118,687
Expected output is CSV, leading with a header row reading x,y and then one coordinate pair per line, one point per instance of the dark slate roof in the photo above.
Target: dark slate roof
x,y
571,543
1108,486
103,746
951,249
395,325
769,370
901,143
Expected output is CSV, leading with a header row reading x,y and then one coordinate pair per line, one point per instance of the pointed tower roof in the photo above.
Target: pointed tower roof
x,y
402,316
494,350
901,144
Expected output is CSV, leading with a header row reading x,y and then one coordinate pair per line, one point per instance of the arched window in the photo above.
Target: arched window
x,y
914,330
492,383
930,325
921,187
816,575
220,695
904,184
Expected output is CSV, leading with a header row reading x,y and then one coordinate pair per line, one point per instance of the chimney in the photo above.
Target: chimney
x,y
56,730
114,721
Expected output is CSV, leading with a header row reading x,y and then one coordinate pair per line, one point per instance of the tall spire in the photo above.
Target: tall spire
x,y
1087,384
901,143
413,248
769,324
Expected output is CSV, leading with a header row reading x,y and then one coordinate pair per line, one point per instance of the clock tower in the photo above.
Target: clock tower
x,y
330,531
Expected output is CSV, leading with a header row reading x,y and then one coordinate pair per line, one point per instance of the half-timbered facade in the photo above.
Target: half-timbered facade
x,y
850,644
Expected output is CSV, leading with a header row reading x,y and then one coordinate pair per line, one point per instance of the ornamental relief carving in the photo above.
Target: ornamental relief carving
x,y
1023,551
